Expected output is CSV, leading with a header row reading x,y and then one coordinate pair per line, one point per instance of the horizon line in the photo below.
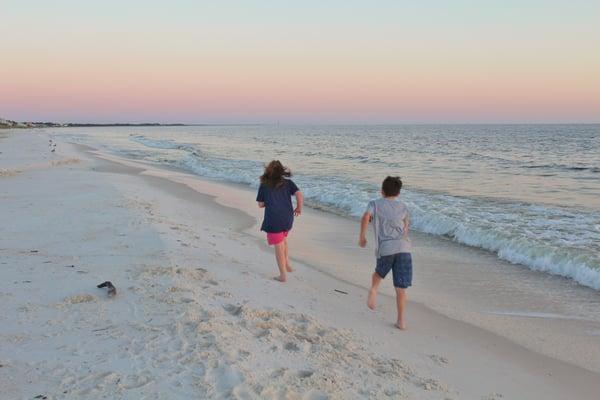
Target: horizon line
x,y
313,123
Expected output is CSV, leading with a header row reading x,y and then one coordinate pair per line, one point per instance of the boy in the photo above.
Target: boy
x,y
390,222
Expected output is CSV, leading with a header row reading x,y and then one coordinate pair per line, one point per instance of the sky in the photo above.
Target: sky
x,y
327,61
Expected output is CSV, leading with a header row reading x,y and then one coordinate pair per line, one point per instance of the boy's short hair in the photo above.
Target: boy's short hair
x,y
391,186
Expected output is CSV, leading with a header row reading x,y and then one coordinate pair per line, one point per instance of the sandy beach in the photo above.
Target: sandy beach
x,y
197,314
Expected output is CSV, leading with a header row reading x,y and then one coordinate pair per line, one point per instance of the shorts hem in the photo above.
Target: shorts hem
x,y
379,274
402,286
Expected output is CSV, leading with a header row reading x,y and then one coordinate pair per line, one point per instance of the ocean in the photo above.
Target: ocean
x,y
528,193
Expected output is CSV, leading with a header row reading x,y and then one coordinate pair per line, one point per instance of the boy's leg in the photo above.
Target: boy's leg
x,y
400,304
384,264
281,263
402,272
288,266
375,281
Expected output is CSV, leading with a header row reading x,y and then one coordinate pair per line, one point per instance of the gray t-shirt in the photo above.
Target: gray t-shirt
x,y
388,225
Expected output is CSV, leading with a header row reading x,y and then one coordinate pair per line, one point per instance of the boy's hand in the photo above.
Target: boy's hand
x,y
297,212
362,241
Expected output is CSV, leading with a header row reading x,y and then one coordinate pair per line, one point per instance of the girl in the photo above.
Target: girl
x,y
275,196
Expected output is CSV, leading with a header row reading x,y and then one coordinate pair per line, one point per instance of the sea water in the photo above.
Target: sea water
x,y
528,193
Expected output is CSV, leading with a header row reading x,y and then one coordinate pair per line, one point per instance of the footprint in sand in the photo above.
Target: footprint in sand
x,y
135,381
315,395
493,396
243,354
440,360
223,377
302,374
233,309
291,346
278,373
263,333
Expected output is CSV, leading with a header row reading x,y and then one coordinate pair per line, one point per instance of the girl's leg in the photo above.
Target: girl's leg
x,y
281,262
400,303
375,281
288,266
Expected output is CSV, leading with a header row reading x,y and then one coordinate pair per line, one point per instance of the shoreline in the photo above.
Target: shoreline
x,y
165,221
447,276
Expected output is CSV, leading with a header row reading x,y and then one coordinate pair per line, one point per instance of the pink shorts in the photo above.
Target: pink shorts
x,y
276,238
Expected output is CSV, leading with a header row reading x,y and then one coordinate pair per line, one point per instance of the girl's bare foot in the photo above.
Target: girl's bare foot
x,y
280,278
289,268
371,299
400,325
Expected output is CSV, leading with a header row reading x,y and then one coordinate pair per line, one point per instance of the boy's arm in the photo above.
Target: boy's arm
x,y
299,203
364,224
406,225
261,204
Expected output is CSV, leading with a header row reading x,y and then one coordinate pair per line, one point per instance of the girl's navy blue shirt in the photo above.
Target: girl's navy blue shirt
x,y
279,212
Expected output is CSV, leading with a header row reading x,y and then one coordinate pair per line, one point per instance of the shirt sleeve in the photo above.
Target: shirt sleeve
x,y
405,211
261,194
292,187
370,207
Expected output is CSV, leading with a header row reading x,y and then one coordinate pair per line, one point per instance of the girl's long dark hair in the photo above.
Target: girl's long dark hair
x,y
275,174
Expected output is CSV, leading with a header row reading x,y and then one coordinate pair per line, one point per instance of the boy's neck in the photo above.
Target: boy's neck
x,y
391,197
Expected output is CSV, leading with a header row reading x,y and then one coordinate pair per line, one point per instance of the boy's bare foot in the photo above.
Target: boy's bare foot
x,y
400,325
289,268
280,278
371,299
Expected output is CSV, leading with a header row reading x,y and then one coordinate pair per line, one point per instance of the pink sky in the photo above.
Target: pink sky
x,y
78,64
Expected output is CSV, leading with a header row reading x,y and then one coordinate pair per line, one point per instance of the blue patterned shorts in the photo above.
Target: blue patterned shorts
x,y
401,266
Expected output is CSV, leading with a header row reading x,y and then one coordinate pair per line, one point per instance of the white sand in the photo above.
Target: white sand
x,y
196,314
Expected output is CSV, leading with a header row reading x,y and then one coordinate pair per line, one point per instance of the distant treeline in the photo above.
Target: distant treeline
x,y
7,123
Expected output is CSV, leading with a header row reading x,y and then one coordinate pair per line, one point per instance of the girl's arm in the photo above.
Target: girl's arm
x,y
260,196
299,203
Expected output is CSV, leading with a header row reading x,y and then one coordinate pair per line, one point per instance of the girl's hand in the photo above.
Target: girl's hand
x,y
297,212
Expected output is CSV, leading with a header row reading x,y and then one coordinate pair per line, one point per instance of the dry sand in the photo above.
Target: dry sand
x,y
196,314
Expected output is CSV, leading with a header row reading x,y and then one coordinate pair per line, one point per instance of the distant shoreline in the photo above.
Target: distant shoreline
x,y
26,125
9,124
